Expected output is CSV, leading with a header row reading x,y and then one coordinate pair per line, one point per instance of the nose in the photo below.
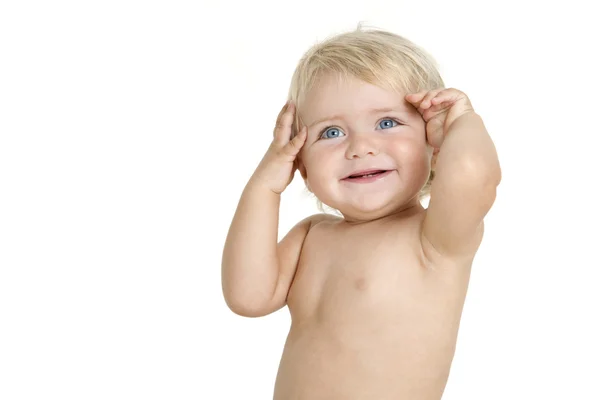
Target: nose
x,y
359,146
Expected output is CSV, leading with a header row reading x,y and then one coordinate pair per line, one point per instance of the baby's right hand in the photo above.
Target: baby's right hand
x,y
276,170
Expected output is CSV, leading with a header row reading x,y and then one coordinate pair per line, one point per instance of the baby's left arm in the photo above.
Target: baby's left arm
x,y
466,175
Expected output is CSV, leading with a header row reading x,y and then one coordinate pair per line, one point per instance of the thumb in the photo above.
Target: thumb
x,y
295,145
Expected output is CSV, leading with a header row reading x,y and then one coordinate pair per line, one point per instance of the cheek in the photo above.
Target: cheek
x,y
409,148
320,164
413,153
312,157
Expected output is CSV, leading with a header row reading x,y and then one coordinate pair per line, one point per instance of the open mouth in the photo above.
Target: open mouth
x,y
367,176
374,173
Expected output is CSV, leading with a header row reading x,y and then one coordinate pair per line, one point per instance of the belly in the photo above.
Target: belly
x,y
320,362
366,338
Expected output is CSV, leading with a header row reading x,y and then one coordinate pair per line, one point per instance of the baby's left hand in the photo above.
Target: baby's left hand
x,y
439,108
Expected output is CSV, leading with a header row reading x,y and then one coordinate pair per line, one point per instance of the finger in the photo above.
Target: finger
x,y
426,103
281,112
415,98
452,96
283,127
445,96
435,110
293,147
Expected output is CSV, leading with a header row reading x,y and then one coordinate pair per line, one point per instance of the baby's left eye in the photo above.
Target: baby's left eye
x,y
389,123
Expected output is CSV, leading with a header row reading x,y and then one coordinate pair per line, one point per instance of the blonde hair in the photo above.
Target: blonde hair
x,y
375,56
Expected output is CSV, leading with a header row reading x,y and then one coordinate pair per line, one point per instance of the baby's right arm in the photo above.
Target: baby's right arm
x,y
256,271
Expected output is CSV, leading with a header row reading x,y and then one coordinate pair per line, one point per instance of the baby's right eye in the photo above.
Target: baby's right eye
x,y
324,134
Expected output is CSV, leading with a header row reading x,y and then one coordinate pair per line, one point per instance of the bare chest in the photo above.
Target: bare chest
x,y
365,309
349,272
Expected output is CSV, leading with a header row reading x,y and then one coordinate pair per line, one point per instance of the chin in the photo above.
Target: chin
x,y
366,209
373,207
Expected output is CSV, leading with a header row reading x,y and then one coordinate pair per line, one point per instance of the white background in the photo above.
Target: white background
x,y
128,130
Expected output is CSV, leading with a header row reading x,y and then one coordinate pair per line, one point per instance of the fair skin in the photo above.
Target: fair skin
x,y
375,297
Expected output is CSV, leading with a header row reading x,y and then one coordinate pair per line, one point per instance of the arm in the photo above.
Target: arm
x,y
463,190
256,271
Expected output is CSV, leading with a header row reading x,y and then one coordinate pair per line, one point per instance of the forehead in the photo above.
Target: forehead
x,y
332,95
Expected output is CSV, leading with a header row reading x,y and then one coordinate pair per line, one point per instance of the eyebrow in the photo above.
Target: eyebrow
x,y
370,111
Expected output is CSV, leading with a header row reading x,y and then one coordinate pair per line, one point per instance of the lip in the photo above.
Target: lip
x,y
364,171
367,179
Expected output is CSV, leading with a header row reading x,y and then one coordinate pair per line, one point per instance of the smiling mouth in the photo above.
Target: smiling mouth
x,y
367,175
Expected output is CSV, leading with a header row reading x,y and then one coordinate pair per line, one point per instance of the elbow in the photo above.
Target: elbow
x,y
486,172
247,306
245,297
245,310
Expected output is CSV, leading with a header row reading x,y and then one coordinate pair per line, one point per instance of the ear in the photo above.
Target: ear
x,y
302,170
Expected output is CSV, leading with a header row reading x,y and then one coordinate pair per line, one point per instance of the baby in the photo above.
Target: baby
x,y
376,294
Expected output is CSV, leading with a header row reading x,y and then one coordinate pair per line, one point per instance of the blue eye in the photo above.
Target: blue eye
x,y
332,133
387,125
325,136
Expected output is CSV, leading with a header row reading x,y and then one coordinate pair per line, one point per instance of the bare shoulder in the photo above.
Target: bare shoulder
x,y
303,227
290,246
288,254
322,217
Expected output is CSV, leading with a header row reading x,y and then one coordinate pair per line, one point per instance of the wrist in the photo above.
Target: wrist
x,y
256,183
